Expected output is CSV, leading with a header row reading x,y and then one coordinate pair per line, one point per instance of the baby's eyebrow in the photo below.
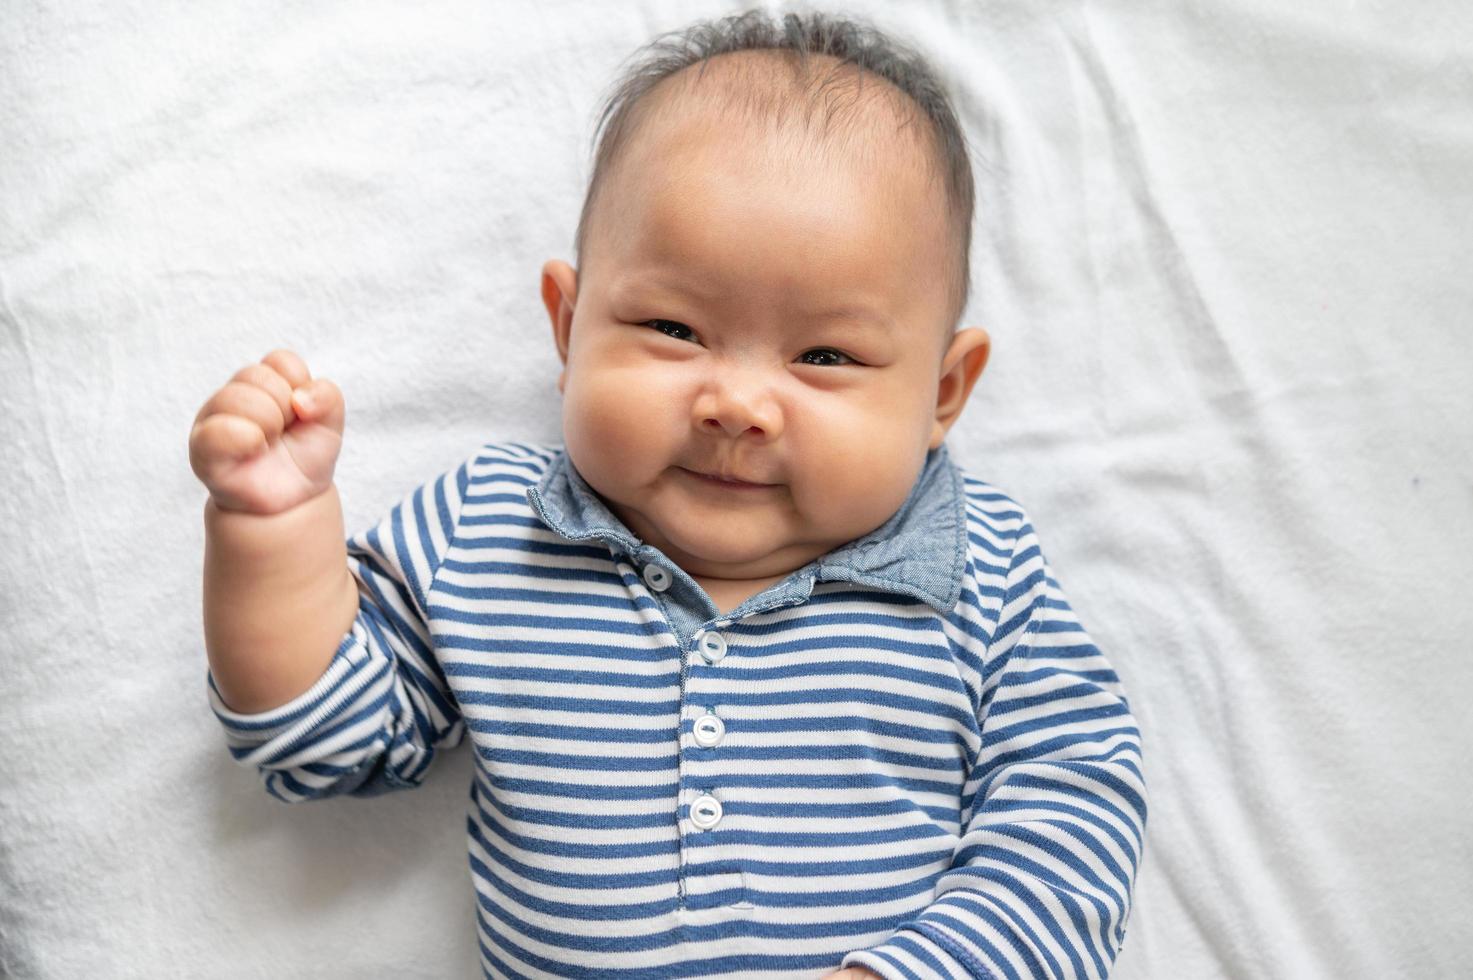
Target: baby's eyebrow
x,y
861,315
636,282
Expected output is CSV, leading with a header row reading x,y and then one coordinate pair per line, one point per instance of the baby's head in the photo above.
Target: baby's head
x,y
772,260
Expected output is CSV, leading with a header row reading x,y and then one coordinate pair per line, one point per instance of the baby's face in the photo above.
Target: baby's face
x,y
774,320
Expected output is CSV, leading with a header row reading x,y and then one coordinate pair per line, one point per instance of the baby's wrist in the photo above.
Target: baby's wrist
x,y
256,530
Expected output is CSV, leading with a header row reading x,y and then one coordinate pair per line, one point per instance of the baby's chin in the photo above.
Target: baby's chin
x,y
743,539
732,547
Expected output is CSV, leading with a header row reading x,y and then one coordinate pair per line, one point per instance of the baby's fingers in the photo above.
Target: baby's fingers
x,y
273,383
289,366
220,440
320,401
249,401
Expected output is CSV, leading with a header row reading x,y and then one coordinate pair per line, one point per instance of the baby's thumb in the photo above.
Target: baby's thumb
x,y
319,400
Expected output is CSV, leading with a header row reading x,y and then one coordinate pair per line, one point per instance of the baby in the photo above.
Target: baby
x,y
759,682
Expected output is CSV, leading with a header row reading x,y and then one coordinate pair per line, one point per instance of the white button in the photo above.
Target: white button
x,y
657,577
705,811
708,730
712,646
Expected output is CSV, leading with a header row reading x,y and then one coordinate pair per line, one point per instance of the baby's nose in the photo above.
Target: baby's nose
x,y
738,406
716,427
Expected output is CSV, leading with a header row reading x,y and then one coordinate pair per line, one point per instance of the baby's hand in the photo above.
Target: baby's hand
x,y
268,440
854,973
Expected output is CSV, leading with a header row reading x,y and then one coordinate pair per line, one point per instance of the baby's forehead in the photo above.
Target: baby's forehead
x,y
703,141
678,166
818,115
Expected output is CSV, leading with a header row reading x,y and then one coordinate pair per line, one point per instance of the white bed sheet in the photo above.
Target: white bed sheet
x,y
1222,249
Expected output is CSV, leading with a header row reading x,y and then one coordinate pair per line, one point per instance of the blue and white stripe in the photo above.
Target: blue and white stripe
x,y
928,792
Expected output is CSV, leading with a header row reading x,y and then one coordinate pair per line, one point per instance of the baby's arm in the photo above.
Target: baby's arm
x,y
1054,809
278,596
322,664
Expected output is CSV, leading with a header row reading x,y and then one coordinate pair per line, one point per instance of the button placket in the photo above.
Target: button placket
x,y
705,810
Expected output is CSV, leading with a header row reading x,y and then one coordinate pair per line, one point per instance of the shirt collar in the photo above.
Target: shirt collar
x,y
919,552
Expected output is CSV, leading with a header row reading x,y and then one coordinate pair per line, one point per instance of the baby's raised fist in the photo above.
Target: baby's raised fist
x,y
269,438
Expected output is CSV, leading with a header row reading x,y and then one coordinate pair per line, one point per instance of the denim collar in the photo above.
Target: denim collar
x,y
919,552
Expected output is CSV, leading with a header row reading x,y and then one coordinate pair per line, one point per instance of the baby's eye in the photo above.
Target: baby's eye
x,y
671,329
827,355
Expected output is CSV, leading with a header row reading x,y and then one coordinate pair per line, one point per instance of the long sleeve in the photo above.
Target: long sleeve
x,y
375,719
1054,808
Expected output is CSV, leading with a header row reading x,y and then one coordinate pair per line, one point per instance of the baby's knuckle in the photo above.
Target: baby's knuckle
x,y
291,366
256,374
215,404
245,389
211,439
252,402
270,381
235,394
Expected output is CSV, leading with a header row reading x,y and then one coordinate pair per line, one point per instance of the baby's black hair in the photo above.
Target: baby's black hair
x,y
853,42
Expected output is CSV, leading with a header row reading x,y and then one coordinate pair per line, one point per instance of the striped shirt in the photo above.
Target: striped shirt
x,y
907,755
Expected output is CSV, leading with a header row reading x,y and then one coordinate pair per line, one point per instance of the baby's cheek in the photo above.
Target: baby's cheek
x,y
860,466
614,422
615,403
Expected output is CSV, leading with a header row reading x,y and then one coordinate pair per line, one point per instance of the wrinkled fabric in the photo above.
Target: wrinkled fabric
x,y
1221,250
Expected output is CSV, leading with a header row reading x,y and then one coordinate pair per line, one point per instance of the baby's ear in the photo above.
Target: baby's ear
x,y
961,366
559,295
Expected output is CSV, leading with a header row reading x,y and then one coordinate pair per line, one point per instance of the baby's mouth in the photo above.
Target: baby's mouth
x,y
730,484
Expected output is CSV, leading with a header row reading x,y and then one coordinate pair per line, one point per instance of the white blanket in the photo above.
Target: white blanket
x,y
1223,251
